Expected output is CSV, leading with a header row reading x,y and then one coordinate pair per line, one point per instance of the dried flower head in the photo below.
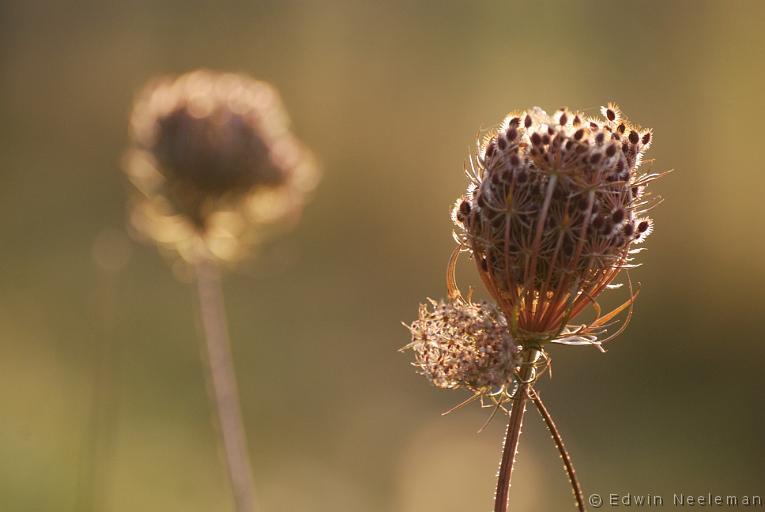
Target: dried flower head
x,y
553,209
464,345
213,157
554,206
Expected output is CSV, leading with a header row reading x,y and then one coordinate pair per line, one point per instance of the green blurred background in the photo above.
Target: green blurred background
x,y
389,95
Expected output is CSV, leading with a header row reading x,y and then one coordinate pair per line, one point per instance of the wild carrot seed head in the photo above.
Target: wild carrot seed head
x,y
212,155
463,345
554,204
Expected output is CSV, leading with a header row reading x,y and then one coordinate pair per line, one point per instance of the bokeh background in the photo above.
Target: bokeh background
x,y
103,401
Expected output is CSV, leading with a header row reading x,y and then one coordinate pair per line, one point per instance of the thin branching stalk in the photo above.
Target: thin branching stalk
x,y
222,377
510,448
567,463
514,425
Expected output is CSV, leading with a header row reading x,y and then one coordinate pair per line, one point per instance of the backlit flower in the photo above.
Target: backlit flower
x,y
464,345
553,210
214,163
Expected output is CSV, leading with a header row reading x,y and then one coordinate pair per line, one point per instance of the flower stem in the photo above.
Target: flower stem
x,y
221,375
568,464
514,431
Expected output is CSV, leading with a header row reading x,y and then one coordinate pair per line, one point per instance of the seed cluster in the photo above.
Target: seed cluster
x,y
554,204
463,345
212,154
210,145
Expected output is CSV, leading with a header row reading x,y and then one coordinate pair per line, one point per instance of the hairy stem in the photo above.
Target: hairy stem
x,y
514,431
221,375
568,464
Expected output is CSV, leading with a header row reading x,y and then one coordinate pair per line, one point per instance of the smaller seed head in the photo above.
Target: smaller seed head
x,y
463,345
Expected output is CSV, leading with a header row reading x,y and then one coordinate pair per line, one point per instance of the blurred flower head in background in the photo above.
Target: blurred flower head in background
x,y
553,210
214,164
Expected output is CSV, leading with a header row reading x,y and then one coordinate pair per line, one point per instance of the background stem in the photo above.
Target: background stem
x,y
221,375
514,431
567,463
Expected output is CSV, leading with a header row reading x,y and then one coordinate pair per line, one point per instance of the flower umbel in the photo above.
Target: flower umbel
x,y
215,164
554,207
464,345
